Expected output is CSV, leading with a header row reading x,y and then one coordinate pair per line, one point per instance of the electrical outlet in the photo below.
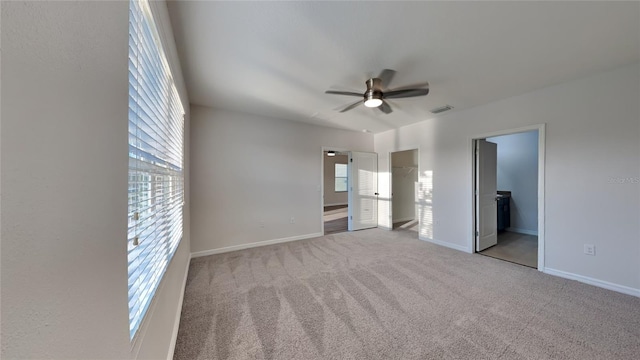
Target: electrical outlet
x,y
590,249
292,220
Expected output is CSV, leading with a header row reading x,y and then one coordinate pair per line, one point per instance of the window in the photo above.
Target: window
x,y
156,178
341,177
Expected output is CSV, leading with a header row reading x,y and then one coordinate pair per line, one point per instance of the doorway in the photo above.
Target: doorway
x,y
508,201
349,191
335,207
404,182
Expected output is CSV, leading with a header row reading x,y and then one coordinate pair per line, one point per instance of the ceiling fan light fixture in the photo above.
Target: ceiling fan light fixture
x,y
374,96
372,101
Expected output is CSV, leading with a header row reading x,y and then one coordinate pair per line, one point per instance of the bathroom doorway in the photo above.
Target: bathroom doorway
x,y
508,171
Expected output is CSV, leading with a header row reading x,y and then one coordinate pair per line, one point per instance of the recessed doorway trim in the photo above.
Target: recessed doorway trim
x,y
471,246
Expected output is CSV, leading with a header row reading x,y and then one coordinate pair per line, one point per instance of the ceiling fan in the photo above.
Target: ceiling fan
x,y
377,92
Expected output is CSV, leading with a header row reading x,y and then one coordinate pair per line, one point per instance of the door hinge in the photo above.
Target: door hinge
x,y
351,217
477,233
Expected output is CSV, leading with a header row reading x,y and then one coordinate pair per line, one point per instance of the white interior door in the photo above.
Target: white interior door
x,y
363,190
486,192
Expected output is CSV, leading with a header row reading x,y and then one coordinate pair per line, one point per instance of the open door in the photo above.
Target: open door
x,y
486,192
363,190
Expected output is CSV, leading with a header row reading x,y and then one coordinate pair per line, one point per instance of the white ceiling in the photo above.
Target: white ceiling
x,y
277,58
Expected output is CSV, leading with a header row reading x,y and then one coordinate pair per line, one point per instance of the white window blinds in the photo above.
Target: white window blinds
x,y
156,179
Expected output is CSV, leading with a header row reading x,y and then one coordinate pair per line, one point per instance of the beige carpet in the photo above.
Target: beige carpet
x,y
518,248
378,294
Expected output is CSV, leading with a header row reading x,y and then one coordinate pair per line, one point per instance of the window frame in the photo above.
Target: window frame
x,y
156,164
336,177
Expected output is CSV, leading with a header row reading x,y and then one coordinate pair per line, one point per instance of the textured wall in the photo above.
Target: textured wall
x,y
64,180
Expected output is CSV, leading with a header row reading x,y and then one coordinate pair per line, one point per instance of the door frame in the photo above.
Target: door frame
x,y
541,185
323,149
390,198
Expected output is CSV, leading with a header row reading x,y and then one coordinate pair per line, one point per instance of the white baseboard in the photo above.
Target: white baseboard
x,y
252,245
445,244
176,322
404,219
384,227
338,204
595,282
522,231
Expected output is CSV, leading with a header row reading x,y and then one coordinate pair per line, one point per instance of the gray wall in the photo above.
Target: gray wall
x,y
518,173
64,188
252,174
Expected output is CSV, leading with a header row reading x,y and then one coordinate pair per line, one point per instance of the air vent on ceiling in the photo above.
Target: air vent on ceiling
x,y
440,109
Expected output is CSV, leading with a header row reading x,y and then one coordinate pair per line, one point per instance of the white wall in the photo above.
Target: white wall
x,y
404,176
64,186
251,174
592,141
518,173
331,197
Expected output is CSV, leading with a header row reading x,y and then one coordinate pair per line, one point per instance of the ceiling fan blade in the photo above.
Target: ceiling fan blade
x,y
385,107
349,107
342,93
405,93
422,85
386,75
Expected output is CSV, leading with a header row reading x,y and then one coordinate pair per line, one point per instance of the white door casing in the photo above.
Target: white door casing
x,y
363,190
486,192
